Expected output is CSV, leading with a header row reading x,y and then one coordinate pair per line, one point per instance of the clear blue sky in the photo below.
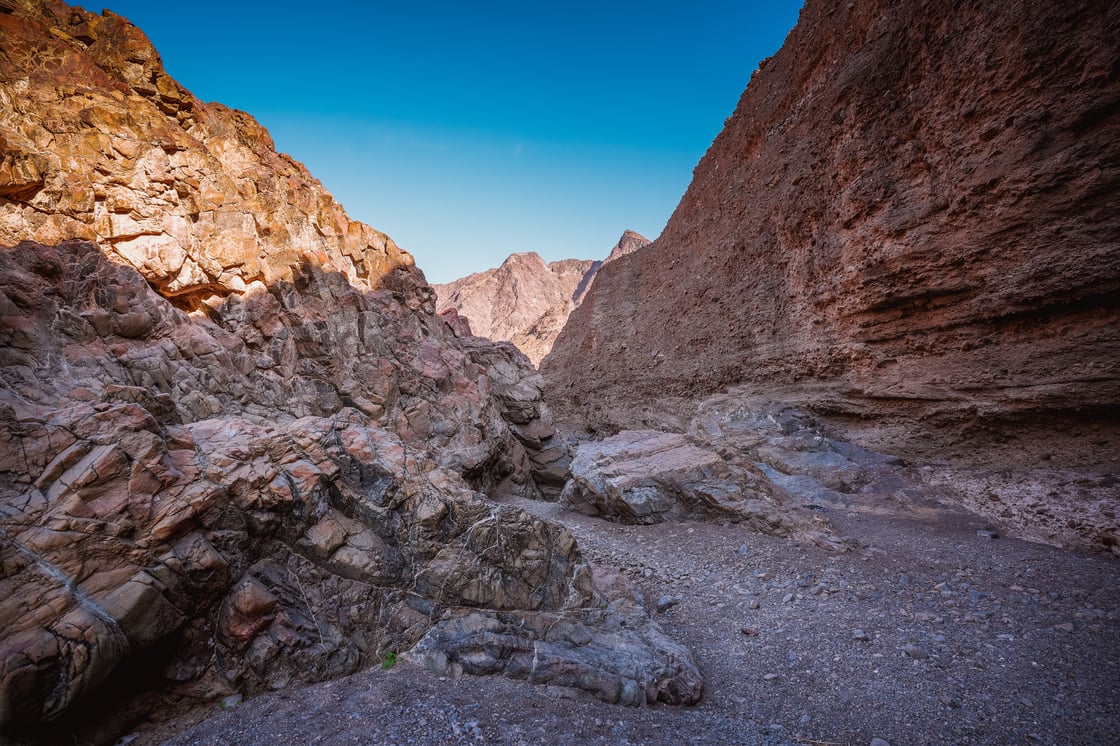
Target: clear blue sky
x,y
471,130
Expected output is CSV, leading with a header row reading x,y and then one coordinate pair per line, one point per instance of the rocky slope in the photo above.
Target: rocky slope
x,y
909,223
526,301
238,448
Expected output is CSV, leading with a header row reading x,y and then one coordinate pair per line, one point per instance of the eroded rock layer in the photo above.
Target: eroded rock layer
x,y
911,217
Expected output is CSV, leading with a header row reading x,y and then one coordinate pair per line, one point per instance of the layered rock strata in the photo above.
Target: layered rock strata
x,y
526,301
910,220
238,447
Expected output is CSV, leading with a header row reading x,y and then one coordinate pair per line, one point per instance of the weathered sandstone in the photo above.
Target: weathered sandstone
x,y
98,142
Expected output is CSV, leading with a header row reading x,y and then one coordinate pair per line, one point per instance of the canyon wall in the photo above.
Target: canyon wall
x,y
526,301
911,218
238,448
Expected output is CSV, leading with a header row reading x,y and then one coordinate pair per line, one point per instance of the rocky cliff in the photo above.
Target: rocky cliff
x,y
238,448
526,301
910,220
98,142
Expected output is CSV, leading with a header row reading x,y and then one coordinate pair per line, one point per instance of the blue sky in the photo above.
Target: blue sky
x,y
471,130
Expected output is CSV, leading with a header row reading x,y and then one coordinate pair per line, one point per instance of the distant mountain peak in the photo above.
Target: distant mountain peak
x,y
525,300
630,242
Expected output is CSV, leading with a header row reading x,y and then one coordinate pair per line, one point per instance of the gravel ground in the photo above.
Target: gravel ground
x,y
931,632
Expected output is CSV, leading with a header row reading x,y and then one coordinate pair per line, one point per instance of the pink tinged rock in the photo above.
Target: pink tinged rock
x,y
247,610
158,257
173,518
304,475
326,536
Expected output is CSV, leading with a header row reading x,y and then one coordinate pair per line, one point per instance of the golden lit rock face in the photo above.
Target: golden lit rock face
x,y
98,142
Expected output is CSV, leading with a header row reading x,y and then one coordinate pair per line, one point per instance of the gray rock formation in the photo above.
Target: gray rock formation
x,y
646,476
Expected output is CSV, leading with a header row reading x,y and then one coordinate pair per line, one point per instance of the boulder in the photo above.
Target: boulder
x,y
647,476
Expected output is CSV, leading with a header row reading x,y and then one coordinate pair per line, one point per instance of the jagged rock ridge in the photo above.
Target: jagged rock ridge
x,y
526,301
238,448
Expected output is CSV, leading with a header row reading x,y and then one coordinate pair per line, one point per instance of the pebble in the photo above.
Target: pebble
x,y
915,651
787,598
232,700
987,533
879,742
667,602
1066,627
860,635
770,677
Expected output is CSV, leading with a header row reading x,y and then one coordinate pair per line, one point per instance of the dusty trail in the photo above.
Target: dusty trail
x,y
929,633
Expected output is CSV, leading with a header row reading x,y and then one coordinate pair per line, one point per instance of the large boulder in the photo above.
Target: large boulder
x,y
648,476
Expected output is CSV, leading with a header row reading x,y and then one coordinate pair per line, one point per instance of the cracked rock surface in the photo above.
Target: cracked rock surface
x,y
282,492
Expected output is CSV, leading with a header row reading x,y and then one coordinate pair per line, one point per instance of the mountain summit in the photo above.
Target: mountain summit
x,y
526,301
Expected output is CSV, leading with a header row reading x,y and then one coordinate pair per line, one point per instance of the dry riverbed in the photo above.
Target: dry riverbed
x,y
930,632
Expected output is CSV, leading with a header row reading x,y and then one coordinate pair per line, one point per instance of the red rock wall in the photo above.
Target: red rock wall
x,y
913,211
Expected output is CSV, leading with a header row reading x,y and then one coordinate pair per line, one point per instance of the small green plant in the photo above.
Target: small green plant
x,y
388,660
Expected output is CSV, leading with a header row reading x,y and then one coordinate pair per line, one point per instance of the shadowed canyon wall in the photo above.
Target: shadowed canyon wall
x,y
911,216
